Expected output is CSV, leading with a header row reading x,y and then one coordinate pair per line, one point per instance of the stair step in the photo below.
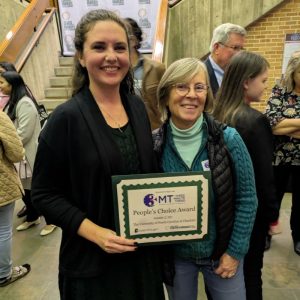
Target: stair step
x,y
58,92
60,84
51,104
60,81
63,71
66,61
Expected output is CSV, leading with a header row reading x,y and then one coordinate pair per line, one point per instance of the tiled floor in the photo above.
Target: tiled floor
x,y
281,271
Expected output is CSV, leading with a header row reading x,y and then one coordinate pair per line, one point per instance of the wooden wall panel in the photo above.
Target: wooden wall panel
x,y
10,11
191,23
12,45
40,65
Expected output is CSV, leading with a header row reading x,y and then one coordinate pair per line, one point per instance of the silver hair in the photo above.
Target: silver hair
x,y
182,70
222,32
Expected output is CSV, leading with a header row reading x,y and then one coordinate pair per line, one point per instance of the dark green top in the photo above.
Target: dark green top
x,y
143,274
125,140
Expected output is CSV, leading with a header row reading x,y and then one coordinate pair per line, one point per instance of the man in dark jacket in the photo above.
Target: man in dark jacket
x,y
228,39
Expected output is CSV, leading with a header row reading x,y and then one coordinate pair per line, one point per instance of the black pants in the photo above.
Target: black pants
x,y
127,276
32,213
282,175
253,262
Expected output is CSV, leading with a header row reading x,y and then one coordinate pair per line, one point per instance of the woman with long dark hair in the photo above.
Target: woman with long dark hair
x,y
5,66
103,130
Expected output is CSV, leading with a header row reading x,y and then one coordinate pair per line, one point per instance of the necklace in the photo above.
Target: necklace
x,y
112,118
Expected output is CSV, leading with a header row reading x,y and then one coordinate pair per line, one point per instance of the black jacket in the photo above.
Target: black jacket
x,y
72,176
256,133
212,77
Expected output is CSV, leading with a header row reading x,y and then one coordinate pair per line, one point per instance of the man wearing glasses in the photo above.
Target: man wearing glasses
x,y
228,39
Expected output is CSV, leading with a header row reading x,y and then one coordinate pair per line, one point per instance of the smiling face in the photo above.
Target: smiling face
x,y
5,87
185,110
255,87
105,55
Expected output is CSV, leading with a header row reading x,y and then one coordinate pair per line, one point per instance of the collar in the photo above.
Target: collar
x,y
187,133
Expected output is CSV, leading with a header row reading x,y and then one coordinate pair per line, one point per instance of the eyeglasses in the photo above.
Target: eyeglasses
x,y
183,89
235,48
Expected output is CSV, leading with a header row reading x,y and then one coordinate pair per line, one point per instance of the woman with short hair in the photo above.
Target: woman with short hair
x,y
191,140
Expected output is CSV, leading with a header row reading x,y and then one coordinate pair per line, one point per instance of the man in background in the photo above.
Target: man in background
x,y
227,40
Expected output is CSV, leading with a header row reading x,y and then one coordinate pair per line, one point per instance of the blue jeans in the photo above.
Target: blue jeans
x,y
186,281
6,224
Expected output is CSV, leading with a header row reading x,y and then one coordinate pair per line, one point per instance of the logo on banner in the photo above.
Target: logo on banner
x,y
92,3
67,3
118,2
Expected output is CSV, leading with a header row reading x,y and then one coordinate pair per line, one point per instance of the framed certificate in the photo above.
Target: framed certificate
x,y
161,208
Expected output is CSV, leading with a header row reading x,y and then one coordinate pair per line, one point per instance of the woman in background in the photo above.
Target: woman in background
x,y
5,66
147,73
22,110
190,140
283,112
244,82
11,151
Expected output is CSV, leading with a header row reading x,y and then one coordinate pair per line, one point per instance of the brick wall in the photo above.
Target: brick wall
x,y
267,35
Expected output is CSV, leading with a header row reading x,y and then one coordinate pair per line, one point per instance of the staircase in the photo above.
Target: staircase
x,y
60,85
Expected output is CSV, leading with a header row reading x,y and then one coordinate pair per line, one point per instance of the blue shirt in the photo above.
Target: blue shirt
x,y
219,72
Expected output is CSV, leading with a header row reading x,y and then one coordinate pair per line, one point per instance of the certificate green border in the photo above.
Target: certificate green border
x,y
117,179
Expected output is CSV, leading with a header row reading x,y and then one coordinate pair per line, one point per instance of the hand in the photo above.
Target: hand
x,y
105,238
111,243
227,267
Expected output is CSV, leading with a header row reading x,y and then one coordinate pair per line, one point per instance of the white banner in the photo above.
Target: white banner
x,y
144,12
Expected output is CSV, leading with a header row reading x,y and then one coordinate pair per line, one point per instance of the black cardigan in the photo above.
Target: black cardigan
x,y
72,175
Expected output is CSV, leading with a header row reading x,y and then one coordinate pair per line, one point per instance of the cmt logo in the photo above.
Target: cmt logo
x,y
150,200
